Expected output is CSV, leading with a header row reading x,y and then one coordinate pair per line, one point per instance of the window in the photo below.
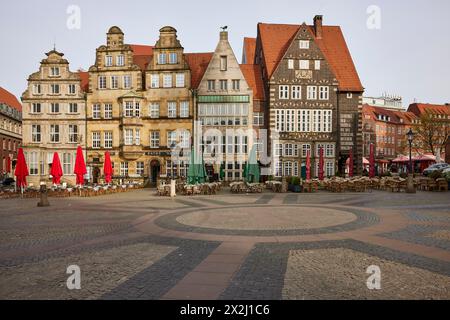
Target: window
x,y
185,139
33,161
54,107
114,82
305,149
287,168
167,80
137,137
317,64
154,80
73,108
304,64
108,113
172,109
54,71
211,85
36,108
54,133
311,93
288,150
154,139
67,164
173,58
54,88
108,61
72,89
162,58
128,137
120,61
108,139
96,140
223,63
129,109
35,133
179,80
124,169
236,84
127,82
290,64
304,44
37,89
296,92
96,111
171,139
329,169
324,93
102,82
223,85
137,109
329,150
154,110
258,118
349,95
184,109
140,168
73,133
284,92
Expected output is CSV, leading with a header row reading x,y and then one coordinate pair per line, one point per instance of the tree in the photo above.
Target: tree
x,y
431,134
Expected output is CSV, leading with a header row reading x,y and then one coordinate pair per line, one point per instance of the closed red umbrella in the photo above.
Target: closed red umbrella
x,y
350,164
8,165
56,170
107,168
21,171
321,173
80,167
308,165
372,161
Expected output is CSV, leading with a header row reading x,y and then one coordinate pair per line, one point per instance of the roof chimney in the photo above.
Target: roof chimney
x,y
224,35
318,26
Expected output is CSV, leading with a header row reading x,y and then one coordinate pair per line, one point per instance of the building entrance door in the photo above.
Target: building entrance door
x,y
155,170
95,174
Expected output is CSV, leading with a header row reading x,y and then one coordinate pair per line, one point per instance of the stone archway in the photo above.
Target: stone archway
x,y
155,170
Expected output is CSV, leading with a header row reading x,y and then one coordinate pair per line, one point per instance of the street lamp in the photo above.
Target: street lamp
x,y
410,187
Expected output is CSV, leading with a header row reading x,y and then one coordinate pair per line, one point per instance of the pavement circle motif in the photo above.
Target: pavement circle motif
x,y
279,220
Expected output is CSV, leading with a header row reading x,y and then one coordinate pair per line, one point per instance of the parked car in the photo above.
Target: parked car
x,y
435,167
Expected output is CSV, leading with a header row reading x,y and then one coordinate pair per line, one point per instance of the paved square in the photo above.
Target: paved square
x,y
262,246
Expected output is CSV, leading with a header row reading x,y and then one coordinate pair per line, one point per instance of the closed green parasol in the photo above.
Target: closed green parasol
x,y
251,170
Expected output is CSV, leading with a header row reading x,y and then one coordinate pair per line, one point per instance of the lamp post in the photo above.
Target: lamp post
x,y
410,187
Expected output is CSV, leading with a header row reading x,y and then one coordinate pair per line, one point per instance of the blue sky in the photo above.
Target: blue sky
x,y
408,55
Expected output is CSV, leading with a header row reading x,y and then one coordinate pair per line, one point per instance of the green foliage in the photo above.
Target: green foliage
x,y
295,181
436,174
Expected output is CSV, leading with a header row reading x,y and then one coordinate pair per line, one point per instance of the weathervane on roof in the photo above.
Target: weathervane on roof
x,y
224,28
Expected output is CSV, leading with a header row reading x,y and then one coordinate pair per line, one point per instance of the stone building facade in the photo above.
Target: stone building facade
x,y
10,128
225,111
314,96
53,118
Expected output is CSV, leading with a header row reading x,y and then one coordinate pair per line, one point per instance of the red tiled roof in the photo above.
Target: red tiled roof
x,y
396,117
419,108
198,62
84,77
249,50
252,74
142,55
9,99
276,38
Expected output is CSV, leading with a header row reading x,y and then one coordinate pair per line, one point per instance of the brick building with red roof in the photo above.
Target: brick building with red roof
x,y
10,129
313,92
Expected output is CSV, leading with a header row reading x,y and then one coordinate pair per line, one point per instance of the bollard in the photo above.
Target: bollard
x,y
44,197
172,188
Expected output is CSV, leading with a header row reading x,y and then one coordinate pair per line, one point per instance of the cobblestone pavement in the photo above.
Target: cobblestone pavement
x,y
260,246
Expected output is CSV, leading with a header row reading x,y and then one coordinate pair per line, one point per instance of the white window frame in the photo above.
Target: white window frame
x,y
311,92
120,60
296,92
171,109
180,80
154,110
36,131
154,139
128,137
102,82
304,64
108,61
96,111
127,81
114,82
55,133
316,64
167,80
96,140
283,92
304,44
73,133
154,81
324,93
108,139
291,63
108,111
184,109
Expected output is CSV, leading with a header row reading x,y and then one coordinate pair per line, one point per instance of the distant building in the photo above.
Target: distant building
x,y
385,101
10,127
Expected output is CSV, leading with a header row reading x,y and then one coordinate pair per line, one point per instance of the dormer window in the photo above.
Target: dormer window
x,y
173,58
54,71
120,60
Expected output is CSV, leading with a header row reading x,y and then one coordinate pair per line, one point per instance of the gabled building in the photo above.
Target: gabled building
x,y
225,111
10,128
114,109
314,95
53,118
